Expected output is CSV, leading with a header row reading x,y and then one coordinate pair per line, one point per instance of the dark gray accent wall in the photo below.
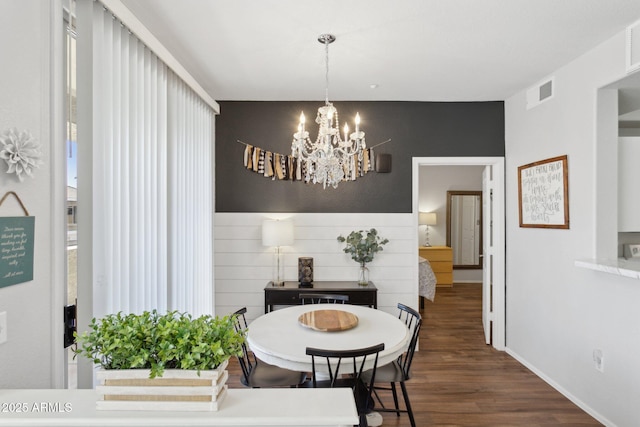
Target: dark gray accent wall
x,y
416,129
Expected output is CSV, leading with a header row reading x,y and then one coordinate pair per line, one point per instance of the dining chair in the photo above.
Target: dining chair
x,y
258,374
399,371
323,298
336,359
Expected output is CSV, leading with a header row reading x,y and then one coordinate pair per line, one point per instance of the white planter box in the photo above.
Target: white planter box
x,y
176,390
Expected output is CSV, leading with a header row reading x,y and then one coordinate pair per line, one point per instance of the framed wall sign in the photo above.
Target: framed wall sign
x,y
543,194
16,246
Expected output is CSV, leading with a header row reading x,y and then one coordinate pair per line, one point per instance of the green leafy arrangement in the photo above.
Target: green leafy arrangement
x,y
361,248
160,341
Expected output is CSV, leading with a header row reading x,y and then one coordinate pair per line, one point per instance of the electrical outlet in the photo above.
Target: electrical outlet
x,y
598,359
3,327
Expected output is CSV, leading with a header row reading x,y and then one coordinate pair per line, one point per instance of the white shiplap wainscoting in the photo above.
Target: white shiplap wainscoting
x,y
243,266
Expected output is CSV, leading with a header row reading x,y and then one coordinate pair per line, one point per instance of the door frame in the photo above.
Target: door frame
x,y
53,49
499,285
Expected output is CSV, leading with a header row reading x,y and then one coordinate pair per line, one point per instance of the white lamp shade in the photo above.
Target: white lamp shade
x,y
277,232
427,218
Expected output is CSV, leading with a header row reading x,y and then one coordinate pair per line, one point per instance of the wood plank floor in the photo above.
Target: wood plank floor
x,y
460,381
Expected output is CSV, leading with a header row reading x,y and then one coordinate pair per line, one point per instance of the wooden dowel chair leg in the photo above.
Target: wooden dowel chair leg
x,y
407,404
375,392
395,398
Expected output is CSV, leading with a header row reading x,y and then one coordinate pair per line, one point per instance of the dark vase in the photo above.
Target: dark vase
x,y
305,270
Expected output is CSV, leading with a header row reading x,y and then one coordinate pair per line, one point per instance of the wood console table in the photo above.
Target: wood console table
x,y
289,294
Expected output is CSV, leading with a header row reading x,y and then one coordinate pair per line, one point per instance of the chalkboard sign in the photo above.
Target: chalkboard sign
x,y
16,249
543,194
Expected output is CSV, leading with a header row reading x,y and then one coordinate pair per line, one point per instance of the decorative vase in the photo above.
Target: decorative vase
x,y
363,275
305,271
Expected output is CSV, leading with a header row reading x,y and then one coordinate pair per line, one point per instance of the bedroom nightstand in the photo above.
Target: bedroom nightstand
x,y
441,260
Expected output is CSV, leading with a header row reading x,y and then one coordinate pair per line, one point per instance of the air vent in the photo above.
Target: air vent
x,y
539,93
633,47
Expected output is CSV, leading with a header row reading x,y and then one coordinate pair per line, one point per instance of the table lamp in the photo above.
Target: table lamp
x,y
277,233
427,218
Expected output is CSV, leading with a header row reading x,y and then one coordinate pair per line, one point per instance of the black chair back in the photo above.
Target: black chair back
x,y
256,373
413,320
337,359
307,298
246,360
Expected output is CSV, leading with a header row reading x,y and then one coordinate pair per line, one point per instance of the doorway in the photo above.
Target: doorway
x,y
494,317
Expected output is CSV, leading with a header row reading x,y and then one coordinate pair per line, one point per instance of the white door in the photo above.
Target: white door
x,y
487,252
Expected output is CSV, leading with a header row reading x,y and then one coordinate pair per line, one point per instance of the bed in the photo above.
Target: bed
x,y
426,280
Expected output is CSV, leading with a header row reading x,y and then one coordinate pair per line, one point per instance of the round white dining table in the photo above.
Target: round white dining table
x,y
279,339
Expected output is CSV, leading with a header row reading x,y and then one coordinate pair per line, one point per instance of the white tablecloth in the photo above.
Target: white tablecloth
x,y
427,279
277,337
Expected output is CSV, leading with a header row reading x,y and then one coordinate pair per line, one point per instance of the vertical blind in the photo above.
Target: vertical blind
x,y
152,198
190,190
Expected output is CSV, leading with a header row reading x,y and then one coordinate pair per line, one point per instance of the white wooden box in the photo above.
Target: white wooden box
x,y
176,390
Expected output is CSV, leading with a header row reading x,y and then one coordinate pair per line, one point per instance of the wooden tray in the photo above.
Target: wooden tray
x,y
328,320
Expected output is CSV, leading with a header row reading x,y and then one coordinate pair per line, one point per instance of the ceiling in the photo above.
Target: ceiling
x,y
391,50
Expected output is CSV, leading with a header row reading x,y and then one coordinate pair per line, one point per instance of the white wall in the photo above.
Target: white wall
x,y
557,314
434,182
243,266
26,358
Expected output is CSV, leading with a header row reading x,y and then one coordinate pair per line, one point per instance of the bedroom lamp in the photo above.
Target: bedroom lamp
x,y
277,233
427,218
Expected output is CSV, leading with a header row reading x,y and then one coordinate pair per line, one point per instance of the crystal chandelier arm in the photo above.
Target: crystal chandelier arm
x,y
329,159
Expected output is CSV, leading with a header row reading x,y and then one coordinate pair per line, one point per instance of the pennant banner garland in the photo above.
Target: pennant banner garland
x,y
288,168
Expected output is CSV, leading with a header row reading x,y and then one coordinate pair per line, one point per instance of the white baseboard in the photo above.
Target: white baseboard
x,y
561,389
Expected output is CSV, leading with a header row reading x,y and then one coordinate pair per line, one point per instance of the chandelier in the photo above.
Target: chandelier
x,y
330,159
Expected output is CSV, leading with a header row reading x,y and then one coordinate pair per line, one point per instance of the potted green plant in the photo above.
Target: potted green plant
x,y
134,351
362,245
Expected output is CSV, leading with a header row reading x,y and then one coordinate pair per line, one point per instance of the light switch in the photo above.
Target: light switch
x,y
3,327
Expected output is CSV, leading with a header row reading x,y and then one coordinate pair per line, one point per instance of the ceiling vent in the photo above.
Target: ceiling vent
x,y
633,47
540,93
